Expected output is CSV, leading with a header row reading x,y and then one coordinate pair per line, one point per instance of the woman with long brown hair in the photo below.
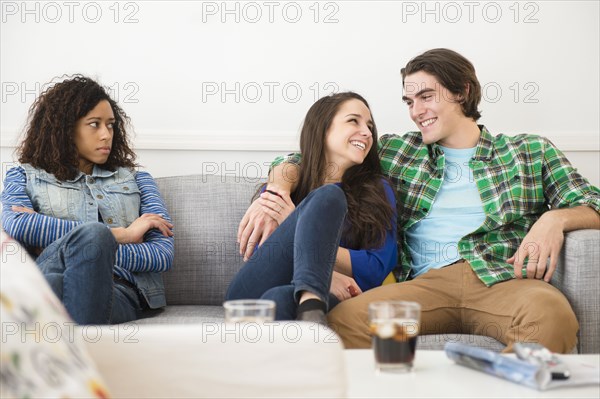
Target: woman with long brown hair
x,y
337,229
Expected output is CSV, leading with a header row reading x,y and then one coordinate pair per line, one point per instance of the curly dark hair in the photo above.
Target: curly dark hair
x,y
49,136
369,212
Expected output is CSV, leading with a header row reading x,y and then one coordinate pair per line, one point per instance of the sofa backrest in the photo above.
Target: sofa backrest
x,y
206,211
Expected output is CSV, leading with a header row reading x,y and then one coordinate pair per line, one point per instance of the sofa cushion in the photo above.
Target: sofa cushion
x,y
184,314
206,211
209,315
438,341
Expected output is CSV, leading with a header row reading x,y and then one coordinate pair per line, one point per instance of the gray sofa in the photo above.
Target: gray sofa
x,y
206,210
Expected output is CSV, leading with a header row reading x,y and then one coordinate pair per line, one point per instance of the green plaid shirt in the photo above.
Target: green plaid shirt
x,y
518,178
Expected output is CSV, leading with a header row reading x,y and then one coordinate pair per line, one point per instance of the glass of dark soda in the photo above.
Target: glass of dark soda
x,y
394,329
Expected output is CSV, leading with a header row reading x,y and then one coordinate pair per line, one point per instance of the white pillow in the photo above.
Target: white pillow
x,y
41,353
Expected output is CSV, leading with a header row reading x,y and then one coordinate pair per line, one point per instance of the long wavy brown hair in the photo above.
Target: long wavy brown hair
x,y
369,212
49,143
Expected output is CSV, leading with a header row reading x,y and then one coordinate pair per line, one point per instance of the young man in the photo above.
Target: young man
x,y
478,239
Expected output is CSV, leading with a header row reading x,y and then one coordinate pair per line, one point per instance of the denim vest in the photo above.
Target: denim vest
x,y
114,196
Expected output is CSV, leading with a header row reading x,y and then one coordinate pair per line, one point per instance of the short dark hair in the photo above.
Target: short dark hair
x,y
454,72
49,136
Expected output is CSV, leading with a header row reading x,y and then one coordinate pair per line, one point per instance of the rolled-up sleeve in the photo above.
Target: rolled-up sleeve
x,y
564,186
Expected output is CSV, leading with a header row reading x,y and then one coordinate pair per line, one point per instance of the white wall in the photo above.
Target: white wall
x,y
221,87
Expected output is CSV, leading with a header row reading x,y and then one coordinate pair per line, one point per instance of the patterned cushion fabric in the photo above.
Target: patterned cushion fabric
x,y
42,355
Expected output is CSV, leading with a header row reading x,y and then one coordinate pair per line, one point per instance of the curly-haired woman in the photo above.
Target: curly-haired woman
x,y
99,228
337,230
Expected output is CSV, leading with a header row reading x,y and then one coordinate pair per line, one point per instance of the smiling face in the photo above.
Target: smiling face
x,y
93,136
437,112
348,139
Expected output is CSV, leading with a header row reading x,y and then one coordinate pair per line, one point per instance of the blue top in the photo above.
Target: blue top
x,y
371,266
457,211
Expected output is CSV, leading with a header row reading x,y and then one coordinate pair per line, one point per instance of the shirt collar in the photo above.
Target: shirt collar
x,y
99,172
96,172
484,145
482,153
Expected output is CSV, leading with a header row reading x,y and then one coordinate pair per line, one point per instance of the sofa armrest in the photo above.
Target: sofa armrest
x,y
578,277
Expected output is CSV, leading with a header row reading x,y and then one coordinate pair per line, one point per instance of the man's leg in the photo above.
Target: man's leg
x,y
454,300
438,292
520,311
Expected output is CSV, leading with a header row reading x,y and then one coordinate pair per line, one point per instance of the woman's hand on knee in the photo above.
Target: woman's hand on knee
x,y
344,287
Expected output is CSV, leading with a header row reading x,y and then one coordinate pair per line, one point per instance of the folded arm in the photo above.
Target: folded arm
x,y
29,228
156,252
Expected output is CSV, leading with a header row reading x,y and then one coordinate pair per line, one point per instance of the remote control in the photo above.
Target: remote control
x,y
538,354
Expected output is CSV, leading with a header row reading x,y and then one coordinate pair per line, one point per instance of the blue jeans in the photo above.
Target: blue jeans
x,y
79,268
299,255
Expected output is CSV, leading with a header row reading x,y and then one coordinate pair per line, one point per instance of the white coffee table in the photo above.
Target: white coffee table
x,y
435,375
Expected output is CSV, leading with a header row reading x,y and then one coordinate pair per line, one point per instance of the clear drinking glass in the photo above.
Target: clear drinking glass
x,y
249,310
394,329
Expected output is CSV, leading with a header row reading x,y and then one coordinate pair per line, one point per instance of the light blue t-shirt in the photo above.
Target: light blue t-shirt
x,y
456,212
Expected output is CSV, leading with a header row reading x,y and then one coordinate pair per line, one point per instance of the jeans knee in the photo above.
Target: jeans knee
x,y
331,197
96,232
92,241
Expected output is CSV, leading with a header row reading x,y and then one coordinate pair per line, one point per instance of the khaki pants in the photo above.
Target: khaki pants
x,y
453,300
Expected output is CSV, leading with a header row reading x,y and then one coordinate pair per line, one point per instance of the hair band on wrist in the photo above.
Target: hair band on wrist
x,y
274,193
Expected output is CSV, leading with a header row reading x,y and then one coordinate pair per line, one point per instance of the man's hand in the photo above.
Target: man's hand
x,y
256,226
344,287
134,233
278,206
544,240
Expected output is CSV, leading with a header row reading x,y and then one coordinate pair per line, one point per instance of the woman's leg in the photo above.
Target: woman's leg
x,y
287,307
126,304
301,251
79,268
317,239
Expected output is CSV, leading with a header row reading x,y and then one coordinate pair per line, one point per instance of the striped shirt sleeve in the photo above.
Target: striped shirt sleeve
x,y
156,253
30,229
